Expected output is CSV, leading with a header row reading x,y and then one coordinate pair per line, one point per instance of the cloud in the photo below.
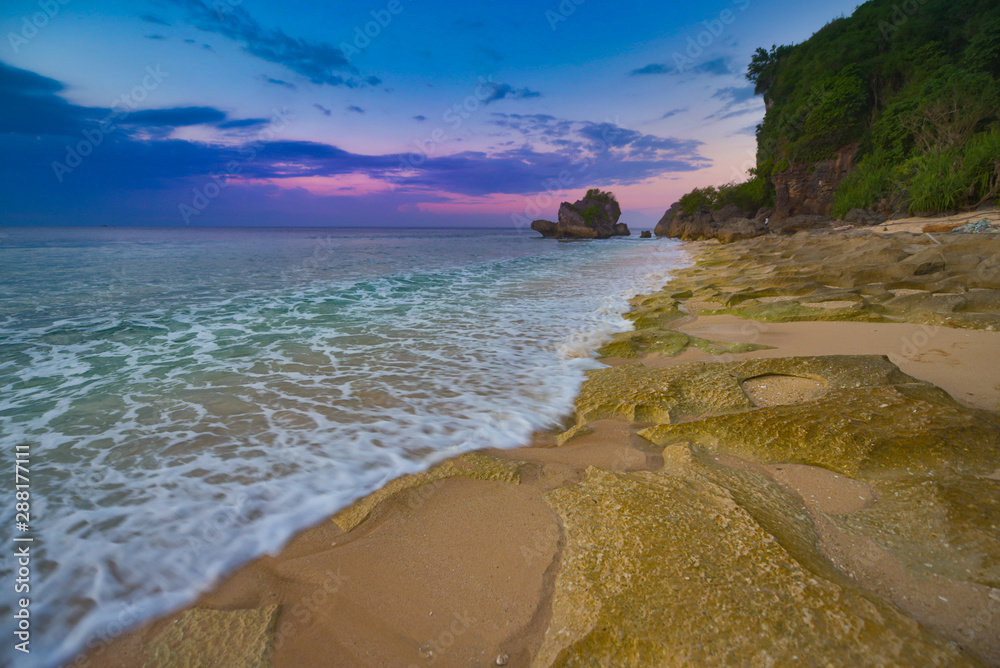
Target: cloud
x,y
323,110
318,62
151,18
356,109
31,105
157,173
716,67
243,123
672,113
504,91
653,68
619,150
738,101
372,80
277,82
735,95
176,117
155,36
420,117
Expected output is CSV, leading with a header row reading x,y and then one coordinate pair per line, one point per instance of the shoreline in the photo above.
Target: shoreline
x,y
480,561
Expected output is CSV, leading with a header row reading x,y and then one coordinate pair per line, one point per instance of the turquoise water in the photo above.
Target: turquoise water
x,y
192,398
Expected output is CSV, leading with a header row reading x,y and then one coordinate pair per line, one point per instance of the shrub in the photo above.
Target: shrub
x,y
935,180
866,186
981,164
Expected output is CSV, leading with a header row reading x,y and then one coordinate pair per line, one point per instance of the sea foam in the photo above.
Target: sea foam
x,y
194,422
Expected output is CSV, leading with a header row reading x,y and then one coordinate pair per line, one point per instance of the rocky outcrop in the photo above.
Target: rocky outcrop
x,y
546,228
807,188
802,222
727,225
645,234
593,217
864,217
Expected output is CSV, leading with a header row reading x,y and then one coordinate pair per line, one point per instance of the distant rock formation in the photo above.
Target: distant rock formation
x,y
645,234
593,217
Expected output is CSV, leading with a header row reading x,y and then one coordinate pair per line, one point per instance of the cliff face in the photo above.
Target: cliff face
x,y
808,189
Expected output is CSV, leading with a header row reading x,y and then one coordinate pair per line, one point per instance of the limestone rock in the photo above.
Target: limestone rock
x,y
667,569
801,222
472,465
202,637
808,188
546,228
864,217
593,217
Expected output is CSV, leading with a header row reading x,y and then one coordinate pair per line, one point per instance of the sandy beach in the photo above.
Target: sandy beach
x,y
795,457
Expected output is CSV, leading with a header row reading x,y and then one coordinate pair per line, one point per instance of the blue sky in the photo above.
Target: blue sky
x,y
389,112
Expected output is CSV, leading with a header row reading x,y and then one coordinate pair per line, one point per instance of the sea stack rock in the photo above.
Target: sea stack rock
x,y
593,217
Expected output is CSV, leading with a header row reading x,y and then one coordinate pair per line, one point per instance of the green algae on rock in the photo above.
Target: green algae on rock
x,y
871,416
935,524
477,465
202,637
946,281
667,569
672,394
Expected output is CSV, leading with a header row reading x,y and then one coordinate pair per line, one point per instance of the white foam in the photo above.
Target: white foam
x,y
174,444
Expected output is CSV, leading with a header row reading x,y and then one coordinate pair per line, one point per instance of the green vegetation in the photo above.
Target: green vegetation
x,y
601,195
747,196
592,212
914,86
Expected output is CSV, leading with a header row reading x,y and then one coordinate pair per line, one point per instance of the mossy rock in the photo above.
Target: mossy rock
x,y
911,427
958,281
668,569
935,524
476,465
201,637
668,395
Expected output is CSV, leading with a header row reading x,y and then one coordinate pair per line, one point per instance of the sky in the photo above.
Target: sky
x,y
375,112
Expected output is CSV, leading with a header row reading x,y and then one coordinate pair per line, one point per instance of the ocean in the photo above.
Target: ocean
x,y
189,399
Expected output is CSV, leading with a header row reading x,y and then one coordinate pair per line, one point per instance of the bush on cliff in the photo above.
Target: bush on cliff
x,y
914,87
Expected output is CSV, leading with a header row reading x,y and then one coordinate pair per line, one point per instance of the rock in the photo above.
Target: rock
x,y
621,230
705,224
802,222
546,228
865,217
764,213
739,228
202,637
727,212
676,567
645,234
807,188
593,217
